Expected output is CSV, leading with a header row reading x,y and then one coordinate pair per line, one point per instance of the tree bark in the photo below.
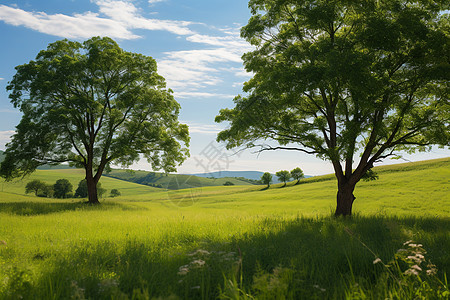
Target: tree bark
x,y
345,200
92,189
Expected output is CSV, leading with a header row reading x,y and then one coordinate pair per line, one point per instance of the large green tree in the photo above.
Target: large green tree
x,y
351,82
93,104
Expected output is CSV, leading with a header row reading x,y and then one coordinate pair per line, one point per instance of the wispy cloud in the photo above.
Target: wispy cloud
x,y
5,137
203,128
202,68
201,95
2,78
151,2
115,19
188,72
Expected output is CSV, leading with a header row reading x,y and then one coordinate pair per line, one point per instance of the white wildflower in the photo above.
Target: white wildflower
x,y
416,267
411,272
198,263
377,260
183,270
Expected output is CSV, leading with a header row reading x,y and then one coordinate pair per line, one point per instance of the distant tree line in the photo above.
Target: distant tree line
x,y
63,189
283,176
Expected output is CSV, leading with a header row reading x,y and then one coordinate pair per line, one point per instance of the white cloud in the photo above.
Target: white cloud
x,y
151,2
121,18
201,95
2,78
203,128
5,137
127,14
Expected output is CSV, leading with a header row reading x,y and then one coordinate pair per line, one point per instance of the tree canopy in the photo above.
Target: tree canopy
x,y
352,82
93,104
297,174
266,178
62,188
283,175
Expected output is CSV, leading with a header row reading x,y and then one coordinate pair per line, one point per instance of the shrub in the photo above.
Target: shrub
x,y
62,188
115,193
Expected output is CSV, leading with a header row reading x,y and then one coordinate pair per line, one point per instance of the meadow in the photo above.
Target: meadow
x,y
236,242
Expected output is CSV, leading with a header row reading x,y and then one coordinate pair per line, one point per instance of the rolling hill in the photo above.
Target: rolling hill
x,y
171,181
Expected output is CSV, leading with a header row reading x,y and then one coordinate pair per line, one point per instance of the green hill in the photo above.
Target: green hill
x,y
17,186
172,181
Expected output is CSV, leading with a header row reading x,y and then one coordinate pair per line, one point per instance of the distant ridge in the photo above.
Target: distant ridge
x,y
254,175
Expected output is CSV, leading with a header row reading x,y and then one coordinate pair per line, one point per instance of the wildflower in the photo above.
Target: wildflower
x,y
183,270
416,267
197,287
199,252
411,272
431,272
377,260
198,263
407,242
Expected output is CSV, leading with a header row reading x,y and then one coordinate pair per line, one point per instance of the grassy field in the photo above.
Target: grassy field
x,y
237,242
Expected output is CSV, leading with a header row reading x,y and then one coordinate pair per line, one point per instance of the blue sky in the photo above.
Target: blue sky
x,y
196,44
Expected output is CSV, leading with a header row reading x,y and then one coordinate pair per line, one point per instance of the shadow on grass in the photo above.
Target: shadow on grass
x,y
42,208
302,258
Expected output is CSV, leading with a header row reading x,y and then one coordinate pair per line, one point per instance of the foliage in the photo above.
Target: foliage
x,y
370,175
35,186
228,183
62,188
342,80
115,193
266,178
283,175
92,104
82,189
297,174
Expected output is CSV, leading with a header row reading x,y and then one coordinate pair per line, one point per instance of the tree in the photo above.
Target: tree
x,y
35,186
352,82
47,191
93,104
228,183
62,188
297,174
266,178
115,193
283,175
82,189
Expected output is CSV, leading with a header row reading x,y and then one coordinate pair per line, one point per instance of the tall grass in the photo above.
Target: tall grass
x,y
232,243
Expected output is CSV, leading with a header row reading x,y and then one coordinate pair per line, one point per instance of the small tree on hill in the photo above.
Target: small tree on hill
x,y
62,188
228,183
297,174
35,186
266,178
283,175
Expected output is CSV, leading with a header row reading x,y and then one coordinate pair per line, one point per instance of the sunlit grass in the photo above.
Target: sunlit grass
x,y
259,242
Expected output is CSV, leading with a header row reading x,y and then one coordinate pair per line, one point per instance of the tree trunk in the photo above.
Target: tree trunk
x,y
345,200
92,189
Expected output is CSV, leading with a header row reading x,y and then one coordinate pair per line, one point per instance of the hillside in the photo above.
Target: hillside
x,y
17,186
171,241
171,181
